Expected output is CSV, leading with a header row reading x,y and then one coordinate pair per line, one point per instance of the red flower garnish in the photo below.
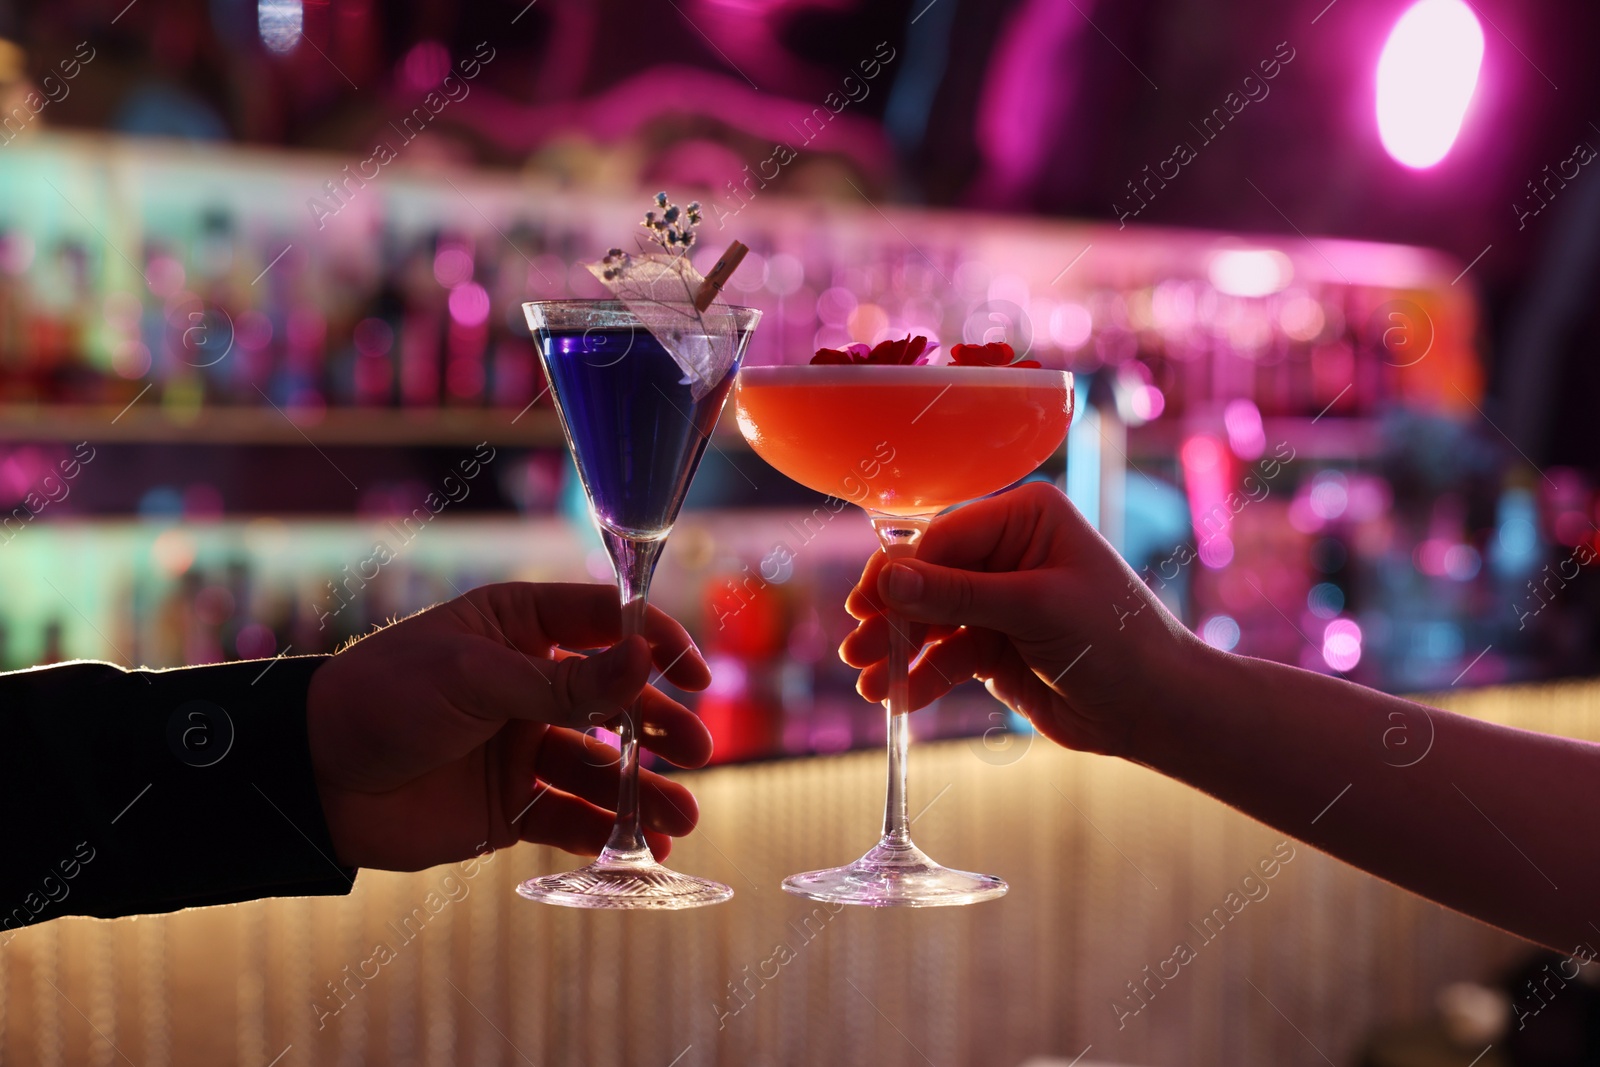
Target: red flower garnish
x,y
907,350
993,354
856,353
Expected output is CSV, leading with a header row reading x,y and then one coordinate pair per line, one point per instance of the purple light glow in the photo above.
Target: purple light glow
x,y
452,265
426,65
1341,644
1220,631
252,330
835,305
1015,110
373,337
1206,479
1426,76
164,275
1329,495
1462,562
1246,436
1216,552
255,641
1437,557
1147,402
639,101
728,677
1071,326
1301,516
469,304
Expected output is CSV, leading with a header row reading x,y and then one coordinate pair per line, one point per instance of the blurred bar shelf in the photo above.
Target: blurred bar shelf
x,y
260,333
244,425
1339,440
237,424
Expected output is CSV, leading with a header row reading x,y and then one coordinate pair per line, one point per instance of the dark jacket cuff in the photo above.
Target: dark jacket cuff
x,y
159,790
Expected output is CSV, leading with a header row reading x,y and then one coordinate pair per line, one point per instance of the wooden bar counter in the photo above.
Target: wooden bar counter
x,y
1110,868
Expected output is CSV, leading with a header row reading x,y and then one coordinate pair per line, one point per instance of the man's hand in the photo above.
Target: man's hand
x,y
463,725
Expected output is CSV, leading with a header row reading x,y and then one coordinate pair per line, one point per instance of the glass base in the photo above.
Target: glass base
x,y
625,881
893,875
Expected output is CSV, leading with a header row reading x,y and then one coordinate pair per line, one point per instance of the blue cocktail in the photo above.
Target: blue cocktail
x,y
635,426
637,419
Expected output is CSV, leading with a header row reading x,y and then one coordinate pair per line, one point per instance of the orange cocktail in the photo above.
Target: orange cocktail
x,y
904,440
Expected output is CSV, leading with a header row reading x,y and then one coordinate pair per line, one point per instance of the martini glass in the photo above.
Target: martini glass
x,y
904,443
637,432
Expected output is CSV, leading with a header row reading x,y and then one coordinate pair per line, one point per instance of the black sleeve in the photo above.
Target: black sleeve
x,y
128,791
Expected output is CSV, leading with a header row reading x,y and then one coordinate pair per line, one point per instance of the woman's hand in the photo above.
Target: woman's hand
x,y
462,726
1021,593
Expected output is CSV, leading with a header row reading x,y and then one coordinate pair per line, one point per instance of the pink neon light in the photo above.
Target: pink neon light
x,y
1426,76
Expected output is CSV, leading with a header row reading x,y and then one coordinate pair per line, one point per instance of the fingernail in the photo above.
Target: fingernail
x,y
904,583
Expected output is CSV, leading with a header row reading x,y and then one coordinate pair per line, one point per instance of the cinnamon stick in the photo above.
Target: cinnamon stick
x,y
719,274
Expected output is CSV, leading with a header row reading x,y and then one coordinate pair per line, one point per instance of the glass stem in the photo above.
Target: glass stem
x,y
899,537
635,562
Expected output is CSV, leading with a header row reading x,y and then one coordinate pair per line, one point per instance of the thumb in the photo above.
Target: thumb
x,y
575,691
926,592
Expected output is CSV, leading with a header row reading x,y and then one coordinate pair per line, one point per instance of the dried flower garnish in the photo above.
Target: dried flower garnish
x,y
666,230
671,227
662,288
903,352
993,354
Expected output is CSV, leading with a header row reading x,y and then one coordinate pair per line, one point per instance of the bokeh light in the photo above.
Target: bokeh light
x,y
1462,562
426,64
1220,631
1325,600
452,265
279,22
1071,325
1329,495
1250,272
1246,436
469,304
1216,552
1341,644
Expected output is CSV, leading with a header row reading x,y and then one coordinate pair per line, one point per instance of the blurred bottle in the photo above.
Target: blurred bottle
x,y
421,327
748,619
53,648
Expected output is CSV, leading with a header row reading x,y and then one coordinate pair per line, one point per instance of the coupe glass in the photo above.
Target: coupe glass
x,y
904,443
637,430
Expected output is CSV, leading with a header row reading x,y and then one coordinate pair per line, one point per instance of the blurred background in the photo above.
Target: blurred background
x,y
1325,272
